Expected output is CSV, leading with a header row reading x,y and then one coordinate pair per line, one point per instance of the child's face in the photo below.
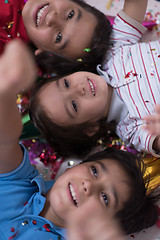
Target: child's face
x,y
60,26
77,98
103,185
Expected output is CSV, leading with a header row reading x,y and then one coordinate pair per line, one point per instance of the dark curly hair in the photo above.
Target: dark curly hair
x,y
140,211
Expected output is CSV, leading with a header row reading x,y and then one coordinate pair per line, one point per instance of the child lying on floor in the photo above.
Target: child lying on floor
x,y
57,26
90,195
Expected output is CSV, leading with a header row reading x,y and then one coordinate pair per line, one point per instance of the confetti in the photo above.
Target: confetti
x,y
108,6
34,222
87,50
132,236
46,226
79,60
10,25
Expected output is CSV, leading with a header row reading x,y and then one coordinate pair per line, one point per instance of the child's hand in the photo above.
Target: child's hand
x,y
153,122
17,67
88,224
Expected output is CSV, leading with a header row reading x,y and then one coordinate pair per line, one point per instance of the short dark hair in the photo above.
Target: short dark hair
x,y
52,62
140,210
69,140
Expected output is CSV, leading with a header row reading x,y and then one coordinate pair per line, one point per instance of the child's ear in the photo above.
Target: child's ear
x,y
92,130
37,51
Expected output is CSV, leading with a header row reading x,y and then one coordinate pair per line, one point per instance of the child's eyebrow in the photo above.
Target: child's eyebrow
x,y
103,167
66,42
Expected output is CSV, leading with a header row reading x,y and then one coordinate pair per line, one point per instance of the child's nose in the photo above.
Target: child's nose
x,y
53,19
80,89
88,187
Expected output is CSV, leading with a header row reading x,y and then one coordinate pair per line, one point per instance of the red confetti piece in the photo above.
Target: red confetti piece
x,y
46,226
135,74
25,203
132,236
12,229
34,222
129,74
152,74
13,236
158,55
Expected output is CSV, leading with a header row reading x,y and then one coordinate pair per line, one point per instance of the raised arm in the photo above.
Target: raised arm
x,y
135,9
17,72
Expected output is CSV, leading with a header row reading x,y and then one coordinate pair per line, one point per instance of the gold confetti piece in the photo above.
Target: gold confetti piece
x,y
108,6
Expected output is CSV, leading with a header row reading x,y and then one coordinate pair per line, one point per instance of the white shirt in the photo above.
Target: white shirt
x,y
133,70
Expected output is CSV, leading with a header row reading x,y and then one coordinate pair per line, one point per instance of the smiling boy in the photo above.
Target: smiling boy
x,y
66,27
58,25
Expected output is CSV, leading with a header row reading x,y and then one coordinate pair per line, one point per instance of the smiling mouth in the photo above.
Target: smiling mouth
x,y
92,86
41,14
73,195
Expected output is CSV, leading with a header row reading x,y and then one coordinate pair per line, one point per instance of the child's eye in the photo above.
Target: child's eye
x,y
75,106
105,197
66,83
94,170
59,38
70,15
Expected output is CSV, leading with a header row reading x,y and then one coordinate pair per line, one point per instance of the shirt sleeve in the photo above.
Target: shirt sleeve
x,y
133,134
126,30
24,171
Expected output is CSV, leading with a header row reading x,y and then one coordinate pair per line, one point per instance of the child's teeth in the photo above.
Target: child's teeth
x,y
92,87
40,13
73,194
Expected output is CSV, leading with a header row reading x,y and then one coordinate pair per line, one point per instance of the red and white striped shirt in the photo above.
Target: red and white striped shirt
x,y
133,70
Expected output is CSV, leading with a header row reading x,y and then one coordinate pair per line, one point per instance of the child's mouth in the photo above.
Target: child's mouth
x,y
92,86
40,15
73,194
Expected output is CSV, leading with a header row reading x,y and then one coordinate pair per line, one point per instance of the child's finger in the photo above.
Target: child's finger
x,y
157,108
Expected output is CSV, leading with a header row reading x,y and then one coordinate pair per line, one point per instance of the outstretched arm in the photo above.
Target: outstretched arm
x,y
135,9
17,72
